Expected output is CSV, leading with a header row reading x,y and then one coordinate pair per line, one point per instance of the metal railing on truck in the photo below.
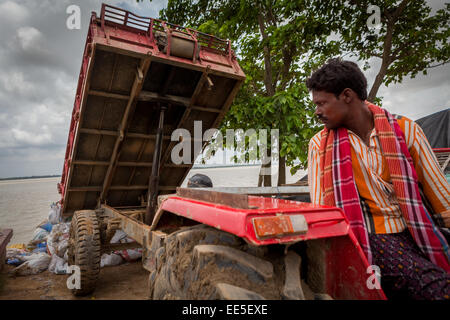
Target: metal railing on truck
x,y
151,26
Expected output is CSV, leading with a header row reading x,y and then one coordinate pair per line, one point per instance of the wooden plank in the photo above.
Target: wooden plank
x,y
131,212
149,164
205,109
131,177
99,126
145,136
154,96
134,164
175,100
99,188
186,113
108,95
219,118
99,132
228,199
137,87
90,163
124,188
85,189
133,228
226,106
125,164
116,133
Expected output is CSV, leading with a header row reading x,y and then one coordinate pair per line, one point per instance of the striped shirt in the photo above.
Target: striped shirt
x,y
378,201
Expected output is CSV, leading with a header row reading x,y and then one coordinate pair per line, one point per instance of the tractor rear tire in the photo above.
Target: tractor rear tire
x,y
204,263
84,250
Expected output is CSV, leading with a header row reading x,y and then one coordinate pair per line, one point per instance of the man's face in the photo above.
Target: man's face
x,y
330,110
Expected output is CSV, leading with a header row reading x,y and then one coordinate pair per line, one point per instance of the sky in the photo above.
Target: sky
x,y
40,60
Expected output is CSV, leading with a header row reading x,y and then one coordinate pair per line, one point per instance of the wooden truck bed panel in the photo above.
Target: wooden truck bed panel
x,y
125,77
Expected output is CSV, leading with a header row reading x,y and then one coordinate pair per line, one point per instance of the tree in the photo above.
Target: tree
x,y
278,43
409,39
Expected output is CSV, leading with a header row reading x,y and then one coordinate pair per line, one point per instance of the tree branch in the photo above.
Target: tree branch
x,y
268,74
400,9
288,53
438,65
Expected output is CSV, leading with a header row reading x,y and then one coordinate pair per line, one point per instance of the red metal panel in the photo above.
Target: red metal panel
x,y
441,150
347,271
346,265
138,37
140,43
76,108
322,221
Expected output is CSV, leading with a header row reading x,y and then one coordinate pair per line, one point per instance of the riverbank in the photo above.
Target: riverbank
x,y
123,282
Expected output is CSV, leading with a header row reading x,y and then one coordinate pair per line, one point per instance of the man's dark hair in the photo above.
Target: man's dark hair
x,y
336,75
199,181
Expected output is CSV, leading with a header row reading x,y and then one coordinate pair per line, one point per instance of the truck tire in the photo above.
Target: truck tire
x,y
84,250
204,263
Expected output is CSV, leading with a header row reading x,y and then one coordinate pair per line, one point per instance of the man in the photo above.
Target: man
x,y
374,167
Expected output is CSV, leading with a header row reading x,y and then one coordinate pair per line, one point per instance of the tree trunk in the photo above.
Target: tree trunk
x,y
265,178
268,74
386,61
282,171
378,82
387,49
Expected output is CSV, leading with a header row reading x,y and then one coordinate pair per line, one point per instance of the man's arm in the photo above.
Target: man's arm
x,y
314,170
429,173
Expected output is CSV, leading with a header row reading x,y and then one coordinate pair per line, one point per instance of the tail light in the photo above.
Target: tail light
x,y
280,225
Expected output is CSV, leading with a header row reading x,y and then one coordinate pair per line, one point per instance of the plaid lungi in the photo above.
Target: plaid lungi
x,y
406,273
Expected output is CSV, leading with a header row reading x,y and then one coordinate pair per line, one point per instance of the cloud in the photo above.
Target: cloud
x,y
11,12
29,39
15,81
413,97
32,139
40,62
421,96
41,126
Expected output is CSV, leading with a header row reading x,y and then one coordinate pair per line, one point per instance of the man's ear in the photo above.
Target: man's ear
x,y
347,95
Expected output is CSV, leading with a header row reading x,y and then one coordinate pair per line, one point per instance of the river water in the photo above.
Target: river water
x,y
24,204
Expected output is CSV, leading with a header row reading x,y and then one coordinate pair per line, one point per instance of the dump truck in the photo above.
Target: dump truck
x,y
141,79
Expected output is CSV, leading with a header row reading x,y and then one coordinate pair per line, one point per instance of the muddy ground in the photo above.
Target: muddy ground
x,y
123,282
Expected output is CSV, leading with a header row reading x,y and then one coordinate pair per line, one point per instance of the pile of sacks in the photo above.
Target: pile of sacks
x,y
120,256
48,249
35,257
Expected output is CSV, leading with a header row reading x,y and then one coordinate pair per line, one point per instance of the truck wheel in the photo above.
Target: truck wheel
x,y
204,263
84,250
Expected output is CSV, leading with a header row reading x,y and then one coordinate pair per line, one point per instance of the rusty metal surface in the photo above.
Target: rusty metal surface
x,y
124,77
108,248
134,228
443,157
239,201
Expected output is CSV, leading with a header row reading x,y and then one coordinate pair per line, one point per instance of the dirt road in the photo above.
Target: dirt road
x,y
123,282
